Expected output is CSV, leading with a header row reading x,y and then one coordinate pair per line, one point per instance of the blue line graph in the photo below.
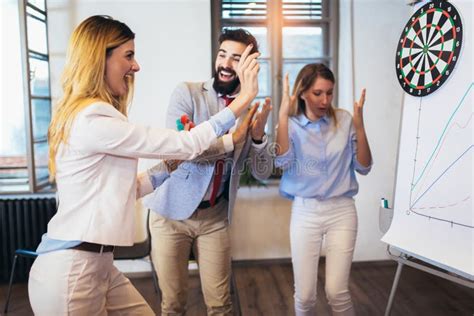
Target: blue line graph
x,y
442,135
446,170
433,157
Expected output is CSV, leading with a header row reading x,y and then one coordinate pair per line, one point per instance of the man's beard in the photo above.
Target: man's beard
x,y
225,88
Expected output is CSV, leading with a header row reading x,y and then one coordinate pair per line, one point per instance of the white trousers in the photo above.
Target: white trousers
x,y
311,220
76,282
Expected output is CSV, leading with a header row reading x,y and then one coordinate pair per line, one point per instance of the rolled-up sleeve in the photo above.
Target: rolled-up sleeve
x,y
158,174
357,165
284,160
262,145
360,168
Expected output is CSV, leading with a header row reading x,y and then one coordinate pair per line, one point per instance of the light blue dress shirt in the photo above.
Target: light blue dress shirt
x,y
221,123
321,160
48,244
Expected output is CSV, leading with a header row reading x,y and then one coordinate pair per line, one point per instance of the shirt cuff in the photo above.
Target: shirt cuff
x,y
228,143
158,174
222,121
361,169
281,161
261,145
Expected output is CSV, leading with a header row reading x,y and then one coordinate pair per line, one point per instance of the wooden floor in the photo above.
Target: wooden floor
x,y
267,289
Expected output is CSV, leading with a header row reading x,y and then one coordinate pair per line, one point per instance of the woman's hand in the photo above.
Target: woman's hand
x,y
240,134
358,112
286,99
364,155
282,139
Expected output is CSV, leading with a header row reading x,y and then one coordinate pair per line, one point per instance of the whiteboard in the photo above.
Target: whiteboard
x,y
433,208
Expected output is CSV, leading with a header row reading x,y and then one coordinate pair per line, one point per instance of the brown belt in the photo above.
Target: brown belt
x,y
88,246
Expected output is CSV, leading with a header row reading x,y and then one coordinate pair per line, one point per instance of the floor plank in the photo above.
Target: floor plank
x,y
266,288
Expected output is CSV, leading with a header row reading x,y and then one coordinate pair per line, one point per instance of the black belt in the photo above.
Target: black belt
x,y
207,204
88,246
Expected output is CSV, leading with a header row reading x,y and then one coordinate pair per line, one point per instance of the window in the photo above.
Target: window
x,y
25,97
290,33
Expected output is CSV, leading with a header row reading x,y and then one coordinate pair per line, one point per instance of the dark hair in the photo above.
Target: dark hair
x,y
306,78
239,35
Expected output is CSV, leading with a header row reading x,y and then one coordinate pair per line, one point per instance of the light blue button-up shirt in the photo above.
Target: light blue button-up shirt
x,y
321,160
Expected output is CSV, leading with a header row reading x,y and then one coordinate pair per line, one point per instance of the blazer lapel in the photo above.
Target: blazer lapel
x,y
211,97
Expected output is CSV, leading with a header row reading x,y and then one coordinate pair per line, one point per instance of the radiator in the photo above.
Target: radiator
x,y
22,223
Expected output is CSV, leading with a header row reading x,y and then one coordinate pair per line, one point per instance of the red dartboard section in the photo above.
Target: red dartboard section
x,y
429,48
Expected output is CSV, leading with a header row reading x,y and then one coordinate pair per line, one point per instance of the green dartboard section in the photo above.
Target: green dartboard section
x,y
429,48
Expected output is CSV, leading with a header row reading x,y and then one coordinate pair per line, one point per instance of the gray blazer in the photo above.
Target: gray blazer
x,y
177,194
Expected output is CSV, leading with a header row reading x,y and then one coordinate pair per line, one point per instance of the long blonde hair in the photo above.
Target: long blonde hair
x,y
83,78
305,79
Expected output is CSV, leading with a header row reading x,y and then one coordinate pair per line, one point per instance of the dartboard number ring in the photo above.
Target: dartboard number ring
x,y
429,48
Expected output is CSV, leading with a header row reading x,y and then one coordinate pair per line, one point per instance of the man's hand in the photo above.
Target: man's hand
x,y
247,71
258,125
240,133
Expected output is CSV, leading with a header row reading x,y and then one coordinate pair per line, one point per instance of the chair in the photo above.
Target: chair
x,y
22,253
142,246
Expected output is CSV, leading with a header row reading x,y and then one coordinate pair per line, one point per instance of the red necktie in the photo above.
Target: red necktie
x,y
228,100
219,168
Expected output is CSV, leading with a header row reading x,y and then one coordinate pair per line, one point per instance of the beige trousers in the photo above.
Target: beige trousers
x,y
206,232
76,282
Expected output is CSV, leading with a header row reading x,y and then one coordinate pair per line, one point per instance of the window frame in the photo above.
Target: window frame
x,y
34,183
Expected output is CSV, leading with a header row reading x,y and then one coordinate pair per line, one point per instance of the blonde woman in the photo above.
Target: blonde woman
x,y
320,148
93,155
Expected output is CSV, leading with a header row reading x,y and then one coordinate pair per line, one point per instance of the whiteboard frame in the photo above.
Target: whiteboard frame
x,y
461,275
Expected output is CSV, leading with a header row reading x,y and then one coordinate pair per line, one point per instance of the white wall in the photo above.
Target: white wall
x,y
260,224
377,26
173,44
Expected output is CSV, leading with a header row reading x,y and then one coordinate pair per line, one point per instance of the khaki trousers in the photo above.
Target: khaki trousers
x,y
206,232
76,282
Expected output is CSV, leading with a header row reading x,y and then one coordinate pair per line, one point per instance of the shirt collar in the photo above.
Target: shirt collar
x,y
303,120
220,95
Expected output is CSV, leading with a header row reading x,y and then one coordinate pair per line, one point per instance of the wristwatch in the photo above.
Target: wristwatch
x,y
258,142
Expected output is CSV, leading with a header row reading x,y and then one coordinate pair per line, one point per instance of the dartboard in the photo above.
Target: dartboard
x,y
429,48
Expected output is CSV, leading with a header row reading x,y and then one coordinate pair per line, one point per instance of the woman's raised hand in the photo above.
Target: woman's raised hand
x,y
359,111
286,99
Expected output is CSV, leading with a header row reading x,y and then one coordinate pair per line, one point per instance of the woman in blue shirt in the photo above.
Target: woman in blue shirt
x,y
319,150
